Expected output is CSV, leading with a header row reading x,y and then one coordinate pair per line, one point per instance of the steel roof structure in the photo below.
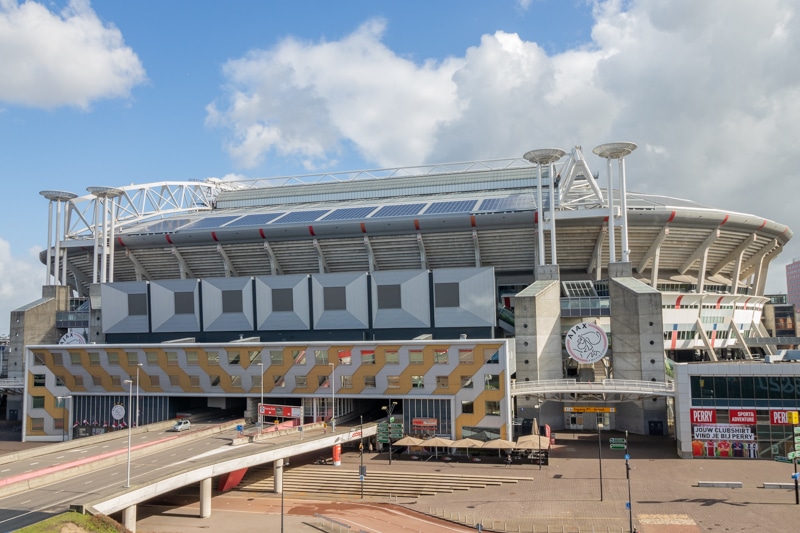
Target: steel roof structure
x,y
441,216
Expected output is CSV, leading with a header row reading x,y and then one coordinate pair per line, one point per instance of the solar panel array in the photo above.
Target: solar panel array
x,y
209,223
402,210
259,219
349,213
458,206
301,216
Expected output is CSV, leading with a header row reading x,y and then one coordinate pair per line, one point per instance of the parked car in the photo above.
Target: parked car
x,y
181,425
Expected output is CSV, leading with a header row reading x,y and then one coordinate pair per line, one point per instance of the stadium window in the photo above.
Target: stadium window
x,y
389,297
194,381
466,382
174,381
278,382
192,357
392,357
75,358
152,358
300,382
234,358
369,382
232,302
37,402
78,381
321,357
58,423
415,357
172,358
256,381
347,382
115,381
133,358
392,382
345,357
440,357
137,304
442,382
155,381
255,356
94,359
58,360
282,300
37,424
466,357
491,382
214,381
467,407
39,358
334,298
368,357
184,303
113,358
236,382
39,380
276,357
492,358
299,357
418,382
213,358
446,295
322,381
492,408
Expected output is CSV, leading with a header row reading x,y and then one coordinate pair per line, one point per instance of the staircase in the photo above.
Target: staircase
x,y
326,480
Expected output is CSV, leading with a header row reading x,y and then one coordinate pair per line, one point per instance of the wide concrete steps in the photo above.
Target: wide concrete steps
x,y
326,479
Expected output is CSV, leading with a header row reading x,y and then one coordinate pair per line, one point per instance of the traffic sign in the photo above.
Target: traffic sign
x,y
617,441
617,446
782,459
791,455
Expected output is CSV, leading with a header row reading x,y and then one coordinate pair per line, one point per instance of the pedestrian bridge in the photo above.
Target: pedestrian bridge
x,y
602,391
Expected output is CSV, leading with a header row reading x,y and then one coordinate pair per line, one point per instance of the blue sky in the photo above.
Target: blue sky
x,y
112,93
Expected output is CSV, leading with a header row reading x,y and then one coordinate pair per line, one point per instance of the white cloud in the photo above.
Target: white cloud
x,y
707,89
66,59
21,280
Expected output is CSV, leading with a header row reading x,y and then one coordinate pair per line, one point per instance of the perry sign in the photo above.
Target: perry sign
x,y
586,342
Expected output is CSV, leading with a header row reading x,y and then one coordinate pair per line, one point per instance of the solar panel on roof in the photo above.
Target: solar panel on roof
x,y
459,206
259,219
301,216
349,213
210,222
398,210
508,203
164,225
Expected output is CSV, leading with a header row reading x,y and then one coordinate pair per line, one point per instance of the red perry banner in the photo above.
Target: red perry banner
x,y
424,422
742,416
281,410
779,418
704,416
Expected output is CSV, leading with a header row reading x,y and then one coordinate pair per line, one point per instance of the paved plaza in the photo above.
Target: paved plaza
x,y
563,496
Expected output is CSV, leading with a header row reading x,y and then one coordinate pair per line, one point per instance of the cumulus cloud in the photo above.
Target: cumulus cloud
x,y
707,90
21,280
69,58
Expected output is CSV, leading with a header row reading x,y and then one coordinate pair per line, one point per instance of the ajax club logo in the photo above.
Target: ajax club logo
x,y
586,343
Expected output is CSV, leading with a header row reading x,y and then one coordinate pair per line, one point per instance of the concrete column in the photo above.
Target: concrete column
x,y
205,498
277,478
129,518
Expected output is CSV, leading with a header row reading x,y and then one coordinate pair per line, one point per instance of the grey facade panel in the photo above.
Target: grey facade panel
x,y
348,314
119,299
290,311
476,297
175,305
227,304
413,310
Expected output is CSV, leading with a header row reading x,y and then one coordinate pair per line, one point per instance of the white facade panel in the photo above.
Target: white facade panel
x,y
290,314
116,307
414,306
175,305
476,299
348,308
215,292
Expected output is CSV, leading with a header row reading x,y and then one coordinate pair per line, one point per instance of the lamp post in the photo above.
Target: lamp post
x,y
361,450
136,421
333,396
130,399
64,416
389,410
600,457
260,416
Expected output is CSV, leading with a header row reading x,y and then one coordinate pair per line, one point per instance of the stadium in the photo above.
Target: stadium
x,y
482,299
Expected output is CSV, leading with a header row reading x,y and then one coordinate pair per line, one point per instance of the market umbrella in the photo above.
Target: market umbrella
x,y
533,442
408,441
436,442
499,444
467,443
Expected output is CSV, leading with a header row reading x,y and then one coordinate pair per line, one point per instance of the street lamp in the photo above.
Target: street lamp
x,y
64,416
137,395
260,416
130,398
600,456
333,396
361,449
389,410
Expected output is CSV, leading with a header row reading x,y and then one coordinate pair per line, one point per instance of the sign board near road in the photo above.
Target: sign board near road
x,y
617,441
590,409
617,446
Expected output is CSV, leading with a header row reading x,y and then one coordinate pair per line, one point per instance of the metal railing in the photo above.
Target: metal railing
x,y
605,385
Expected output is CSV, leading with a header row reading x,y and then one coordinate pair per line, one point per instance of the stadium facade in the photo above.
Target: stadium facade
x,y
482,299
